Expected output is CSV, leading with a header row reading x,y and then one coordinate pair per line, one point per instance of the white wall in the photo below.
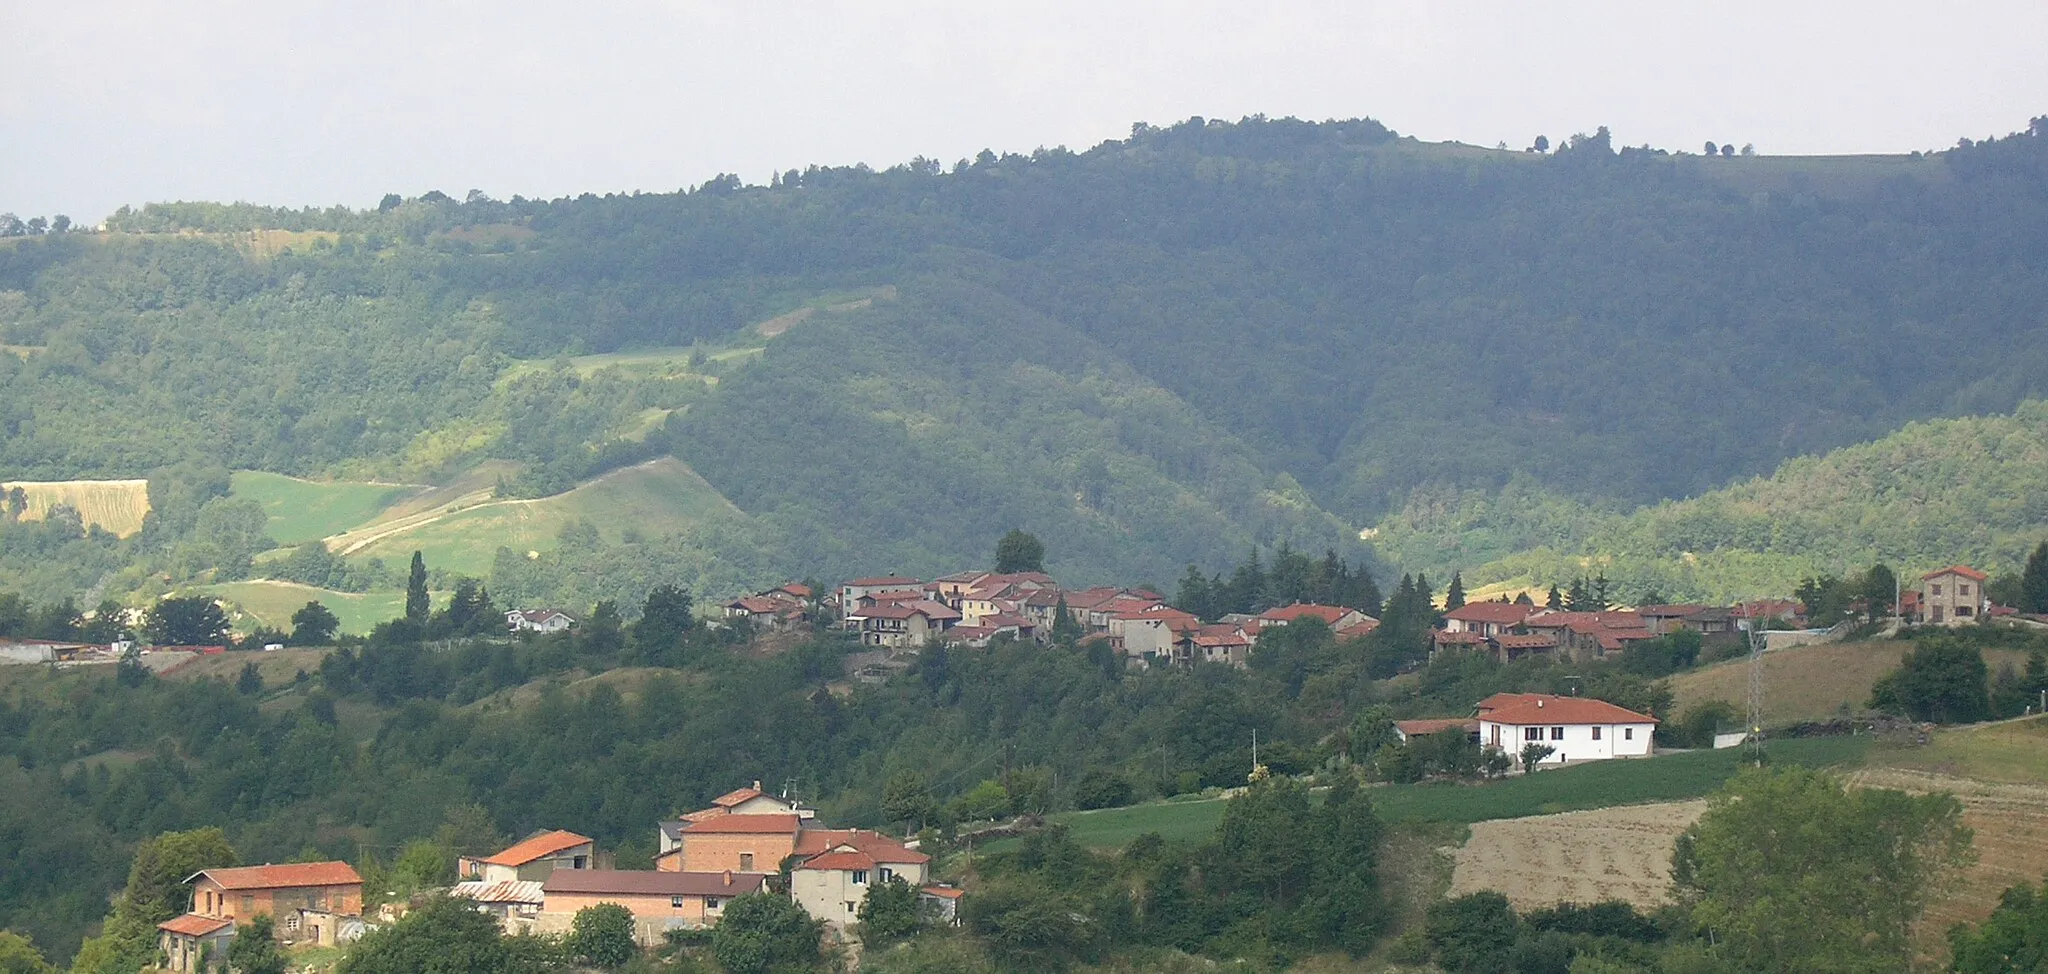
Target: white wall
x,y
1615,740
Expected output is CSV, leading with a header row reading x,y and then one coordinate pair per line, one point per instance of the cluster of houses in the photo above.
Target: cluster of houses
x,y
708,857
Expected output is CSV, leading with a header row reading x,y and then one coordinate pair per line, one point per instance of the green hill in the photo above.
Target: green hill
x,y
1971,490
304,510
1163,349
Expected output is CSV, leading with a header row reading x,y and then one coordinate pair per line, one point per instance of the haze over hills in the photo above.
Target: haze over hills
x,y
1164,350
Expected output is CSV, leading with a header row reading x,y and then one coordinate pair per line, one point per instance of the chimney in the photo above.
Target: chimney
x,y
728,877
757,784
1539,703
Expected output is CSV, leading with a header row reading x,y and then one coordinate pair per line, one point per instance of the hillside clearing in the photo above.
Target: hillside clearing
x,y
307,510
271,603
1806,682
117,506
277,669
657,497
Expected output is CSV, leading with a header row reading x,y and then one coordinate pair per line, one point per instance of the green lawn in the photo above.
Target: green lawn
x,y
1595,784
305,510
268,603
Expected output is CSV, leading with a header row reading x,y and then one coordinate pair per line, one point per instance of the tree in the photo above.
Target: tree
x,y
1727,150
760,932
313,625
1102,788
250,682
1455,595
1020,552
2034,582
18,955
1542,143
1943,680
1880,587
254,949
1792,871
1710,148
190,621
907,798
1553,600
445,936
469,611
664,620
1471,934
1533,754
2009,940
1029,925
602,935
889,913
416,605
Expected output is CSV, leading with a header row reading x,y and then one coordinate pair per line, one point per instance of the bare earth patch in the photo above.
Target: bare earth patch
x,y
1576,857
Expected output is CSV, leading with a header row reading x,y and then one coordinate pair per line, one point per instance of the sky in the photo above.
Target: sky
x,y
111,102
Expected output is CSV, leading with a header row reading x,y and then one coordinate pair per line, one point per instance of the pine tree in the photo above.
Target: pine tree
x,y
1455,595
1194,595
1554,600
2034,582
1576,599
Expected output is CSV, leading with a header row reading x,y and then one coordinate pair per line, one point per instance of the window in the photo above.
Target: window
x,y
1557,733
711,903
248,904
1532,733
1962,588
1963,610
675,902
746,862
860,877
1628,733
1934,590
581,862
1596,733
849,906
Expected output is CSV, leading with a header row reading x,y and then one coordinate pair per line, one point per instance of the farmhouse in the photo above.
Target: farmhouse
x,y
831,884
533,859
515,904
312,902
538,620
1953,596
659,901
192,942
1576,728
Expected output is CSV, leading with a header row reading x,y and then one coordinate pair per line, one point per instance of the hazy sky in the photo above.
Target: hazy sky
x,y
276,101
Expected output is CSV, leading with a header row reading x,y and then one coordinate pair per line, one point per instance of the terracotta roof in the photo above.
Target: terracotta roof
x,y
882,580
538,847
738,796
874,845
944,892
1359,628
903,610
651,883
1231,639
1001,619
1303,610
839,860
1498,613
194,925
282,876
759,605
511,891
1964,570
744,825
1526,642
798,589
1548,709
1418,728
1674,611
1501,701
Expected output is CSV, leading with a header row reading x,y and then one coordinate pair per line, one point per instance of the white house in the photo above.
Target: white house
x,y
832,885
1576,728
537,620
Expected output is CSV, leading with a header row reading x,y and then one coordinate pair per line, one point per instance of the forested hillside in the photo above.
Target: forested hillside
x,y
1161,350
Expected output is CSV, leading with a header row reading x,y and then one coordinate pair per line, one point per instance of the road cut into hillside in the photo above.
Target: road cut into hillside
x,y
1576,857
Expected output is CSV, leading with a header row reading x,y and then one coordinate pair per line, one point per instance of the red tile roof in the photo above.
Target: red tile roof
x,y
738,796
1526,642
874,845
637,882
1303,610
1501,701
946,892
194,925
1964,570
798,589
282,876
1360,628
744,825
1673,611
1498,613
1548,709
538,847
839,860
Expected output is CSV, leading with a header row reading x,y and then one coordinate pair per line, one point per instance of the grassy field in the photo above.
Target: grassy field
x,y
277,669
1806,682
2012,752
655,497
116,505
306,510
1597,784
270,603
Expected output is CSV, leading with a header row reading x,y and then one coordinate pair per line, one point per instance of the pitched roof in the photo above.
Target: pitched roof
x,y
1964,570
647,882
538,847
798,589
847,859
874,845
1532,641
1671,611
1498,613
738,796
1501,701
943,892
744,825
882,580
1359,628
1303,610
1543,708
904,610
194,925
282,876
510,891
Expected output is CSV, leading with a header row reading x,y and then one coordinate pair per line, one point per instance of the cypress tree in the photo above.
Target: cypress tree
x,y
416,592
1455,595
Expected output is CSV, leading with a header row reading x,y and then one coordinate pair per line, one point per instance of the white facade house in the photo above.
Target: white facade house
x,y
832,885
537,620
1575,728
